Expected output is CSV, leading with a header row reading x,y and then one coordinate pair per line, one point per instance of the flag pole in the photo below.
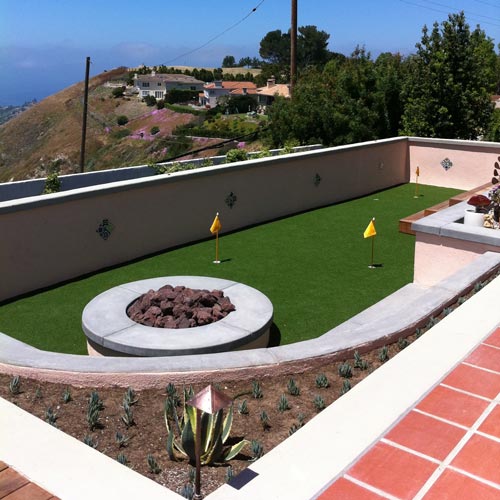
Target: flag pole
x,y
217,261
373,245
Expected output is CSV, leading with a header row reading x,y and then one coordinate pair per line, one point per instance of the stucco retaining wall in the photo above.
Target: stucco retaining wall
x,y
50,238
472,162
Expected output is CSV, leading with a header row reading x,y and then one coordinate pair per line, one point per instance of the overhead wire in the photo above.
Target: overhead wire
x,y
216,36
446,12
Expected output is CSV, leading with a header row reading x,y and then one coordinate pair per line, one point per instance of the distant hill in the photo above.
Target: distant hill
x,y
47,136
8,112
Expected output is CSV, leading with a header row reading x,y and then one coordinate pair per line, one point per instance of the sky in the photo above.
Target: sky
x,y
44,43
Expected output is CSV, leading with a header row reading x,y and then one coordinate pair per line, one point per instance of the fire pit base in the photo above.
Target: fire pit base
x,y
110,332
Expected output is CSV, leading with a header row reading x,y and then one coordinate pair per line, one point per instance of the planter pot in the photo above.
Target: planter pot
x,y
472,218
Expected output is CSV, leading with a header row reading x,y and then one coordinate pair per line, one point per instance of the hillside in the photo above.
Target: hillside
x,y
48,135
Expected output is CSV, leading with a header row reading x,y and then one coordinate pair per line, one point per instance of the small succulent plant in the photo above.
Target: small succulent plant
x,y
292,388
256,390
283,404
257,449
264,420
383,354
121,440
66,397
322,381
154,468
243,407
15,385
346,387
345,370
89,441
319,403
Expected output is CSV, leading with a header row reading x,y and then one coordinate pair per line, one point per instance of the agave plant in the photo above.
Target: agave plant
x,y
215,430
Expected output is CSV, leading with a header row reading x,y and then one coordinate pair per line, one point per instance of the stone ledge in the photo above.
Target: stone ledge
x,y
387,320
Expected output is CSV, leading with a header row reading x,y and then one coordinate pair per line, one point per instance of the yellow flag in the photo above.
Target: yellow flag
x,y
418,171
216,225
370,230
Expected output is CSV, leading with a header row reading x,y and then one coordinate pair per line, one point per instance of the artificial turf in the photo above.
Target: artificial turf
x,y
312,266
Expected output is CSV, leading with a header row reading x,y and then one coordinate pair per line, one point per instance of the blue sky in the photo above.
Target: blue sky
x,y
43,43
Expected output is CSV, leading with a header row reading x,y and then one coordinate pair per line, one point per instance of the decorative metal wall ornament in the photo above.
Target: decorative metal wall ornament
x,y
447,164
317,180
231,199
105,229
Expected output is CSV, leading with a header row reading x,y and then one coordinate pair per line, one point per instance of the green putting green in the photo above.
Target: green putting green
x,y
312,266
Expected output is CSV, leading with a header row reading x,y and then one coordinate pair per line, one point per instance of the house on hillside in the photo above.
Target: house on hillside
x,y
267,94
214,90
159,84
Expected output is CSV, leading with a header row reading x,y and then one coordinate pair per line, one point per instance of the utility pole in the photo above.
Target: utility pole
x,y
293,47
84,121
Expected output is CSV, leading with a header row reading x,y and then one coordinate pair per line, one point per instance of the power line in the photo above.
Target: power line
x,y
453,8
445,12
216,36
488,3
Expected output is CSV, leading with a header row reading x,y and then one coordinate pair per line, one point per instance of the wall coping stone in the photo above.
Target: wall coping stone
x,y
444,223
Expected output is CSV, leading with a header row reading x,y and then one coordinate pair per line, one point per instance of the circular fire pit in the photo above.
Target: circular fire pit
x,y
110,332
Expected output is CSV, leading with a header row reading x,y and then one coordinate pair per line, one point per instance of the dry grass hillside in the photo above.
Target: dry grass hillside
x,y
48,135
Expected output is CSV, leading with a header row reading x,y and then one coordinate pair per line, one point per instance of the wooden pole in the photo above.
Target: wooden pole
x,y
84,121
293,47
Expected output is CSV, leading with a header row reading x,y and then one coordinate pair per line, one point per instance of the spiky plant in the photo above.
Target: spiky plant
x,y
264,420
383,354
229,474
319,403
283,404
256,390
96,401
257,449
15,385
215,431
51,416
461,300
122,459
345,370
322,381
346,386
243,407
292,388
447,311
432,322
89,441
187,491
403,343
121,440
359,362
66,397
188,393
172,394
478,286
128,415
130,397
154,468
93,414
419,332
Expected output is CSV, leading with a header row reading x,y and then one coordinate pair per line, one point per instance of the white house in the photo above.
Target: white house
x,y
214,90
157,85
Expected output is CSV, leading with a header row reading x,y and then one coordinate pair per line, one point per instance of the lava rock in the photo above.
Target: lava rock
x,y
179,307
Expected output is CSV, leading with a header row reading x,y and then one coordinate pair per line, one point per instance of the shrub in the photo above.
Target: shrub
x,y
52,183
154,130
150,100
234,155
121,120
160,104
118,92
120,134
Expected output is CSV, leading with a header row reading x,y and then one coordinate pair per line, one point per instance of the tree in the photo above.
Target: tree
x,y
450,80
275,48
312,46
228,62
